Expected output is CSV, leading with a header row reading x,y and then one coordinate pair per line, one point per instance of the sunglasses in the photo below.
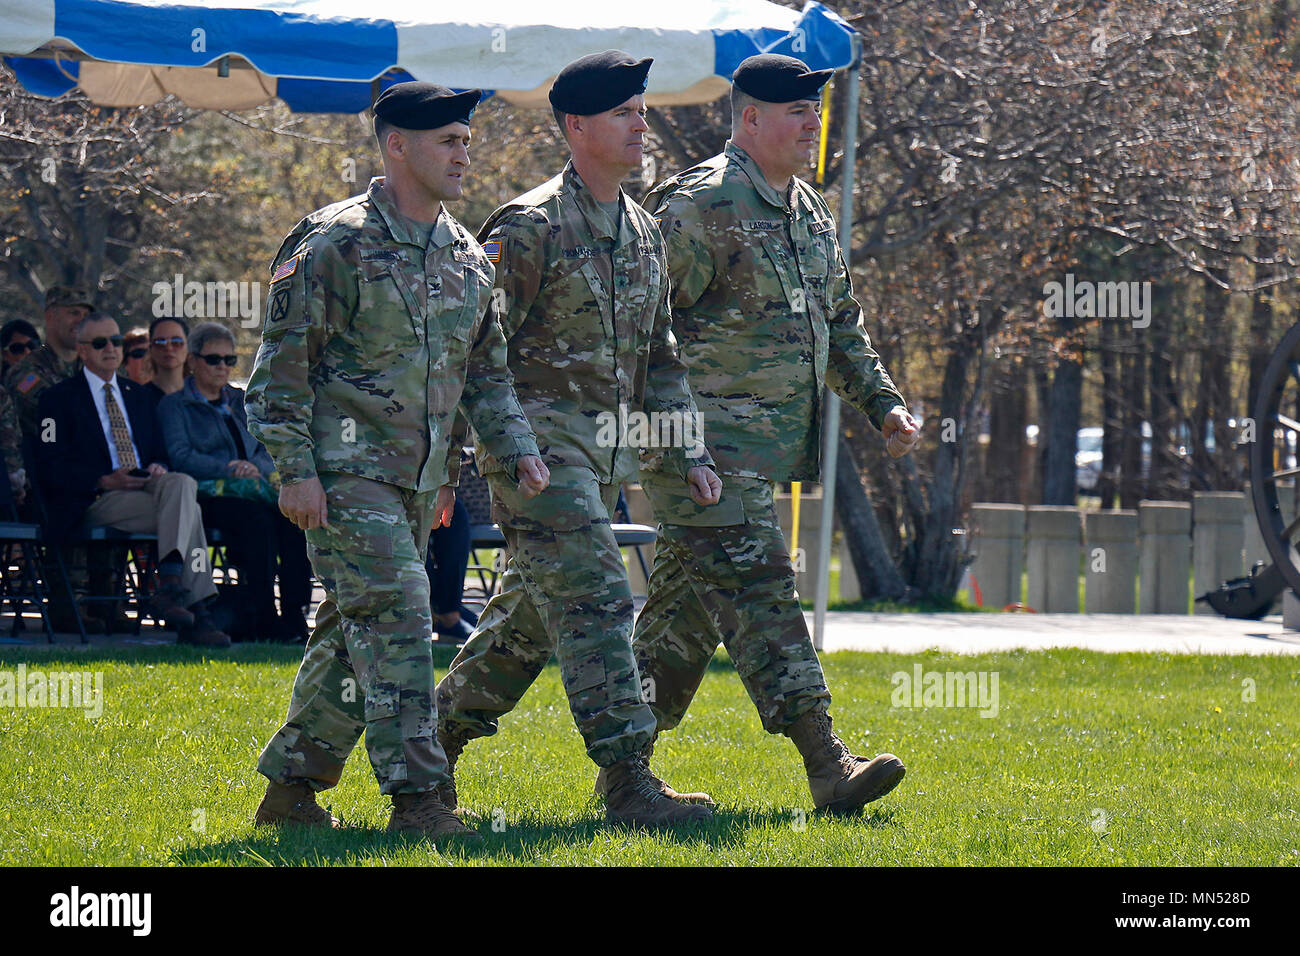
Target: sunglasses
x,y
137,353
103,341
215,360
174,340
18,348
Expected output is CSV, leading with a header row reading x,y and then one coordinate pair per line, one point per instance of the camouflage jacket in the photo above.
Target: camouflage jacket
x,y
33,375
584,307
371,339
11,436
765,314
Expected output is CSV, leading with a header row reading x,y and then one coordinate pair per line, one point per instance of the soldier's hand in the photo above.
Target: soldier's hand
x,y
533,476
901,431
303,503
445,507
706,487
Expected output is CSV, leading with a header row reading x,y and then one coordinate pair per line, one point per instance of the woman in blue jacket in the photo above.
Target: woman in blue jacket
x,y
207,437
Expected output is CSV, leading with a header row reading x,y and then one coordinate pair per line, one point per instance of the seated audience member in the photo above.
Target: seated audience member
x,y
56,360
105,466
446,562
136,361
167,340
17,338
207,437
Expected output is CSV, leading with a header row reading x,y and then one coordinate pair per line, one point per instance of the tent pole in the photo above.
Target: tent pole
x,y
831,428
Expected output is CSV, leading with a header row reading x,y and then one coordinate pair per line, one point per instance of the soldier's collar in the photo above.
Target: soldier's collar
x,y
751,169
399,226
596,217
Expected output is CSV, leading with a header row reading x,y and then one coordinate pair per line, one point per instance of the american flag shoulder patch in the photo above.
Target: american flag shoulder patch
x,y
287,268
28,383
493,251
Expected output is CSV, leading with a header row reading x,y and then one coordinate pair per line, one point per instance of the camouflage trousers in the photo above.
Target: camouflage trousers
x,y
724,575
564,591
369,661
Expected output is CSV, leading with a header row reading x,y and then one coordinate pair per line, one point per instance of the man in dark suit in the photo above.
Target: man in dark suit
x,y
101,458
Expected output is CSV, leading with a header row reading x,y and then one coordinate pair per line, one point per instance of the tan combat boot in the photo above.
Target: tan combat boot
x,y
295,804
424,814
703,799
452,747
633,797
840,782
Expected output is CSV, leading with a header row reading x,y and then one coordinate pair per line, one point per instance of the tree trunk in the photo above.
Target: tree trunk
x,y
1134,458
878,576
1059,475
1008,415
1112,423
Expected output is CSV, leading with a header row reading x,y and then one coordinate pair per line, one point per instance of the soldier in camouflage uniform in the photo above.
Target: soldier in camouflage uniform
x,y
54,361
375,331
766,317
11,444
26,381
583,285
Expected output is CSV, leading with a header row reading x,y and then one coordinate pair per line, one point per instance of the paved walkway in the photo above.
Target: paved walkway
x,y
1115,633
956,633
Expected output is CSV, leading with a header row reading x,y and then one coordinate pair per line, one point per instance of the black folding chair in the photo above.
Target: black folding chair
x,y
21,549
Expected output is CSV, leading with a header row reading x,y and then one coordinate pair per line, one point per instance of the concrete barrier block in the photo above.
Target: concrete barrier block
x,y
1110,562
998,541
1218,541
1165,561
1053,536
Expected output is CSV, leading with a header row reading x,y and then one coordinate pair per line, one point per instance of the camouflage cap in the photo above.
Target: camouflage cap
x,y
58,295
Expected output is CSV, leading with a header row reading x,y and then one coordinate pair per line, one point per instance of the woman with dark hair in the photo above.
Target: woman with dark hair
x,y
207,438
136,362
17,338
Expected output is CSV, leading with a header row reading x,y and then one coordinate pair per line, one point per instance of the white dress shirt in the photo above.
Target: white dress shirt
x,y
97,393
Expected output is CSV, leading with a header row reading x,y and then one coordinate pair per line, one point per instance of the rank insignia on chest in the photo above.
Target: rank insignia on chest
x,y
493,251
435,286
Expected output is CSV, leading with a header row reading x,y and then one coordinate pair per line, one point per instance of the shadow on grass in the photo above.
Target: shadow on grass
x,y
520,841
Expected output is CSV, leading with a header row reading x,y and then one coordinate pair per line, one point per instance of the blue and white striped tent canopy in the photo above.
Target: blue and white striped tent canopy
x,y
328,56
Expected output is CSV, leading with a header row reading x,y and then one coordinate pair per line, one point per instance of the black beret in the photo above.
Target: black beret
x,y
774,78
598,82
418,105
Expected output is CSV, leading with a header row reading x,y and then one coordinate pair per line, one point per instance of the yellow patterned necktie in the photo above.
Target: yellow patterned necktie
x,y
117,424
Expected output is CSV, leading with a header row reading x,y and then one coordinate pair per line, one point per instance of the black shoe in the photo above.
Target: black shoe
x,y
457,633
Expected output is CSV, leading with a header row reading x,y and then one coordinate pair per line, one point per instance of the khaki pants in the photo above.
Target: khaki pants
x,y
168,507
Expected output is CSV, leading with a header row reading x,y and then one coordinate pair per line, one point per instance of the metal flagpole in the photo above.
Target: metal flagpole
x,y
831,427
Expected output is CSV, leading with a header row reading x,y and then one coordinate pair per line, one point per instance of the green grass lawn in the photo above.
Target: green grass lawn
x,y
1092,759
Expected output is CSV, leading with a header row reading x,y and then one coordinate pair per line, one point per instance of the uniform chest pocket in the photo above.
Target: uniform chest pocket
x,y
467,303
815,259
640,292
389,313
